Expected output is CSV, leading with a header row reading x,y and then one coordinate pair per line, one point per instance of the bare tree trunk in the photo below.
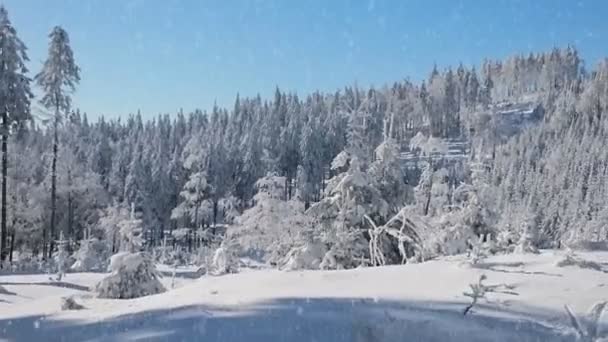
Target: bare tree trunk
x,y
54,186
215,209
70,232
3,251
10,257
428,197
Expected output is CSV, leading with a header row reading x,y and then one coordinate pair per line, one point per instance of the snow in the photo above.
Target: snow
x,y
414,302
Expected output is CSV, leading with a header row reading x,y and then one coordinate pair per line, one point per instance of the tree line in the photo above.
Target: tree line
x,y
63,173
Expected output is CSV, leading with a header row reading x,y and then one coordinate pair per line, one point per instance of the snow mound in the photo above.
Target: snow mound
x,y
133,275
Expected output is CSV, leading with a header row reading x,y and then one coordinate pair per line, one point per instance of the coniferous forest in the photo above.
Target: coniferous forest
x,y
465,203
272,174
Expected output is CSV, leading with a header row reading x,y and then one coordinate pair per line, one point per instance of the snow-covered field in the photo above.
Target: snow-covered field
x,y
417,302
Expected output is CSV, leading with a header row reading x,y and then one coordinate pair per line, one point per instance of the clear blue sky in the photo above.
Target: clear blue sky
x,y
160,55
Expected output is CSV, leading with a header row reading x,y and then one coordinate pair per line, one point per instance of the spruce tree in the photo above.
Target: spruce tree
x,y
15,97
58,79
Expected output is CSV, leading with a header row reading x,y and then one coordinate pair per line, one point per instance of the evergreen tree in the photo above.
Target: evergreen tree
x,y
58,79
15,96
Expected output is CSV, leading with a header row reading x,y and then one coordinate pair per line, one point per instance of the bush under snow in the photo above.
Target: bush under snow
x,y
91,256
225,259
68,303
133,275
306,257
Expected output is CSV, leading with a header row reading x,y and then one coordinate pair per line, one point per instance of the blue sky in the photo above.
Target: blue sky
x,y
162,55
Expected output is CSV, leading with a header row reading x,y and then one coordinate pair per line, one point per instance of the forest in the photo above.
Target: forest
x,y
305,180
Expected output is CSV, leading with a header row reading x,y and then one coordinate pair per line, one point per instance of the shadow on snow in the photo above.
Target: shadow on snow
x,y
295,320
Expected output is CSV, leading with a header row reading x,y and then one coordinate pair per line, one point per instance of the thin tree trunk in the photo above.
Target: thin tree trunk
x,y
70,231
10,257
215,209
3,251
54,186
428,198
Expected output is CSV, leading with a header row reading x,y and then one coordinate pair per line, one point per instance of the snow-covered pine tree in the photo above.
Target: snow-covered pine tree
x,y
340,216
58,79
15,96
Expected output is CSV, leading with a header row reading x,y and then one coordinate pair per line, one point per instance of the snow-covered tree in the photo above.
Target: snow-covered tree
x,y
92,256
133,275
340,217
58,79
62,257
131,230
133,272
193,195
269,229
15,96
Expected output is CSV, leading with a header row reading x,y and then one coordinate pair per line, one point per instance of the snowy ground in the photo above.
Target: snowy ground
x,y
419,302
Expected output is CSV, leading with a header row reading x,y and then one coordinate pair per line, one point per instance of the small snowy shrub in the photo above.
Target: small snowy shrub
x,y
62,257
479,250
225,259
133,275
588,329
306,257
526,240
4,291
68,303
448,236
572,259
478,290
346,251
91,256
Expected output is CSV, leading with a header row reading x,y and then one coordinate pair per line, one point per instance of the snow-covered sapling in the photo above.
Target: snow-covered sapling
x,y
479,250
478,290
62,256
68,303
91,256
588,327
526,240
225,259
572,259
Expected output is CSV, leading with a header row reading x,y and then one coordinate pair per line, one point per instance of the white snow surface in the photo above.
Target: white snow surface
x,y
415,302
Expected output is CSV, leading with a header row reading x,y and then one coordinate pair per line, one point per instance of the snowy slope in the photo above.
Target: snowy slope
x,y
419,302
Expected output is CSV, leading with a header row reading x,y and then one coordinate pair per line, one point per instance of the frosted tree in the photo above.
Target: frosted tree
x,y
428,147
109,223
268,230
25,205
340,216
15,96
131,233
91,256
387,173
310,171
58,79
133,272
193,195
62,256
